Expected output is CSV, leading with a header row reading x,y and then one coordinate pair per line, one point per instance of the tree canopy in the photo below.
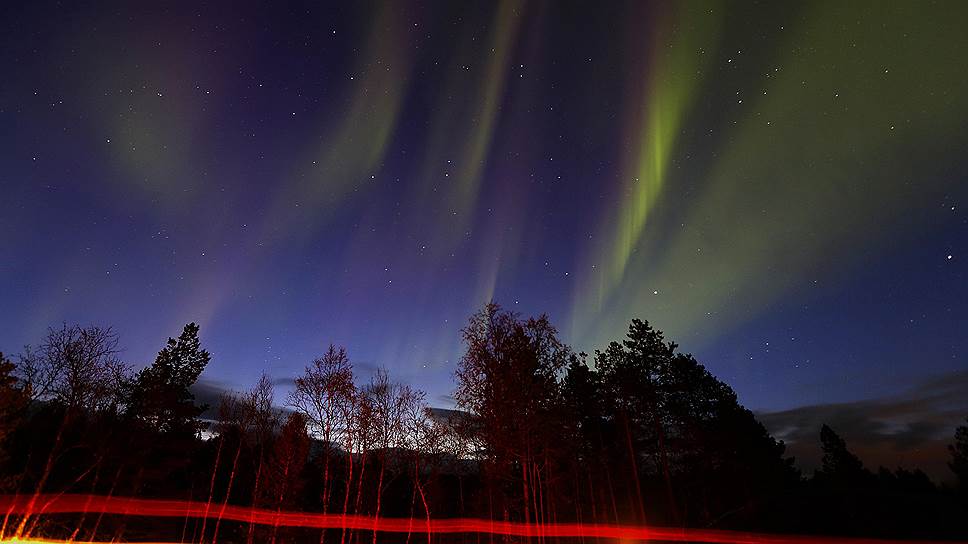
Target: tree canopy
x,y
161,393
639,432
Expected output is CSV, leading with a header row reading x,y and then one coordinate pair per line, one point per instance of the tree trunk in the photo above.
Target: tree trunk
x,y
379,495
346,494
635,468
325,497
48,466
211,485
359,487
665,464
279,501
255,496
423,499
228,492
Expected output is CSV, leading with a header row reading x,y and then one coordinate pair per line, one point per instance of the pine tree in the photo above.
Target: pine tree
x,y
161,395
684,430
839,465
12,401
959,456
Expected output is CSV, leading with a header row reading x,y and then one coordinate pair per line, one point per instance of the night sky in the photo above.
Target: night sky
x,y
780,187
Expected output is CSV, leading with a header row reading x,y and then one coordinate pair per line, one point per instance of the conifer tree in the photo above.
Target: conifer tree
x,y
161,395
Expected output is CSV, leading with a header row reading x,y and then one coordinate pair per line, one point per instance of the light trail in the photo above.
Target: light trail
x,y
79,504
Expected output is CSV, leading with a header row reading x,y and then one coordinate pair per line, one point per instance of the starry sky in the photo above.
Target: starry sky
x,y
780,187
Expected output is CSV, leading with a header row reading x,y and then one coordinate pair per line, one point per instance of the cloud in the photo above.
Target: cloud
x,y
910,430
284,381
447,400
210,392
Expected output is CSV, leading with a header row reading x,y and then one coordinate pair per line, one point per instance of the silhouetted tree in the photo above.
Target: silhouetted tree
x,y
959,457
591,434
286,466
839,465
265,421
244,430
632,379
646,432
390,404
679,423
429,446
12,397
904,480
13,400
77,368
161,395
508,380
325,395
165,417
76,385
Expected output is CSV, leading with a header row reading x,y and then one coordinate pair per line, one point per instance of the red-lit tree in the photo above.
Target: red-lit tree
x,y
325,394
508,380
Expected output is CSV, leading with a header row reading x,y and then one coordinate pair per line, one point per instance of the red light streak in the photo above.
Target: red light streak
x,y
79,504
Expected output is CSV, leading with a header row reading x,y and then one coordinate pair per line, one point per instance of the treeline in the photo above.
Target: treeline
x,y
638,433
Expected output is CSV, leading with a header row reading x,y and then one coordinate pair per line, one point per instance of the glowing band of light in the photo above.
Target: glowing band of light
x,y
78,504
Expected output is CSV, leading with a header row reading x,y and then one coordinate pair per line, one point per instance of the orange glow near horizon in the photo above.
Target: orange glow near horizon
x,y
80,504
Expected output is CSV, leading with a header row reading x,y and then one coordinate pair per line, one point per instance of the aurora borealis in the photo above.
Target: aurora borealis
x,y
780,187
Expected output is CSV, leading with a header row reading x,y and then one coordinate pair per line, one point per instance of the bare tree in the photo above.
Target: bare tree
x,y
77,367
250,418
325,395
508,380
390,405
284,479
427,439
363,420
264,422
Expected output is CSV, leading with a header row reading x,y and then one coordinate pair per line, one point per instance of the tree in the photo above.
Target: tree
x,y
590,433
13,399
680,426
235,414
839,465
389,406
905,481
164,415
265,421
959,456
77,375
428,440
246,420
633,376
286,465
77,368
161,396
325,394
508,380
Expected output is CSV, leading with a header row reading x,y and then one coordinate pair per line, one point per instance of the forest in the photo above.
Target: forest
x,y
637,433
